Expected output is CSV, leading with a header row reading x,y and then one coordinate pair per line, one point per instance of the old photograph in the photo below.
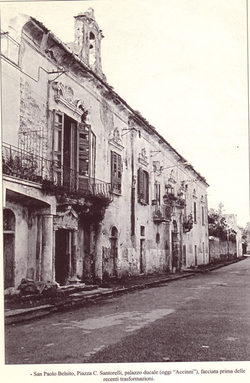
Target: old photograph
x,y
125,190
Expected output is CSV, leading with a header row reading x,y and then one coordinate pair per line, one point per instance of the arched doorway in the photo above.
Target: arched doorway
x,y
9,223
113,251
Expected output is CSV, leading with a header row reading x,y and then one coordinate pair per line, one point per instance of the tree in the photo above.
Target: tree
x,y
217,225
246,236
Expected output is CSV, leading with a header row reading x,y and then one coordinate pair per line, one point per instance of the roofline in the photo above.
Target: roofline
x,y
148,127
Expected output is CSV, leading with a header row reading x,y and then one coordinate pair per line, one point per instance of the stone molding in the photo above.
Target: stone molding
x,y
143,159
64,95
115,139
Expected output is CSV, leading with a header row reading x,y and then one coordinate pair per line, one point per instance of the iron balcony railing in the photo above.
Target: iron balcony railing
x,y
162,213
28,166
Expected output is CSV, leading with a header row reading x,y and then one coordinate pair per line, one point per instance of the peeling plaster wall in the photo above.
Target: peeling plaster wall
x,y
21,241
222,249
10,103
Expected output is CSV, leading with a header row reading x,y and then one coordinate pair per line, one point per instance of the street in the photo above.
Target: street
x,y
201,318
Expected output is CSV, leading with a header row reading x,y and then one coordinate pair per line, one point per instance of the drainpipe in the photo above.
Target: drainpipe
x,y
133,183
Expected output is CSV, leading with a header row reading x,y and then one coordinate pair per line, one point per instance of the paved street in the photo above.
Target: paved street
x,y
201,318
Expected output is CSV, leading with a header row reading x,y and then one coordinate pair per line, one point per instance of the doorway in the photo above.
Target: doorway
x,y
9,247
142,256
184,257
195,255
63,247
113,252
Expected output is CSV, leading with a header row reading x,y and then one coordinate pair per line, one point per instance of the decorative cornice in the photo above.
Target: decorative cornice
x,y
115,140
64,94
67,219
143,158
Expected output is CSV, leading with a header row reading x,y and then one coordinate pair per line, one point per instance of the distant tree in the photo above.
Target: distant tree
x,y
246,235
217,225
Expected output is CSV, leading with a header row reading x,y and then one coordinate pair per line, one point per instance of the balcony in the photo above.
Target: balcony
x,y
161,214
27,166
188,223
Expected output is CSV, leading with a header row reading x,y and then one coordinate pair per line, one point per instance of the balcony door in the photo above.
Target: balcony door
x,y
71,152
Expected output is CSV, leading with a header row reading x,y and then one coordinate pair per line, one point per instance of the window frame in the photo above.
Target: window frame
x,y
116,173
195,212
143,186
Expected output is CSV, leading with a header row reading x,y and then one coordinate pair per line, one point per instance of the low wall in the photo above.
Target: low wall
x,y
220,250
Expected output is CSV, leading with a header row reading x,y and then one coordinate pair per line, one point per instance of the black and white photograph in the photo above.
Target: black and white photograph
x,y
125,191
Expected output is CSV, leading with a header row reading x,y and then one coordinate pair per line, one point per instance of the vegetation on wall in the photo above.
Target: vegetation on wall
x,y
245,237
91,207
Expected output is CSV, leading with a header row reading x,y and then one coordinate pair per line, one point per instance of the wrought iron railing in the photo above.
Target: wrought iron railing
x,y
162,213
25,165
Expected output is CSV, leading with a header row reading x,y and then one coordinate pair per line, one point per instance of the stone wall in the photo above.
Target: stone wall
x,y
220,250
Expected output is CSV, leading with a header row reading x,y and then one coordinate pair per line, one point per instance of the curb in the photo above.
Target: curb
x,y
22,315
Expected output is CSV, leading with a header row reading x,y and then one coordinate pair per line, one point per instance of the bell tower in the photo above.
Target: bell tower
x,y
87,43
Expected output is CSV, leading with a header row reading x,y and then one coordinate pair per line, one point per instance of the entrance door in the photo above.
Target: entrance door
x,y
175,251
195,255
184,258
113,251
9,247
62,256
142,255
9,250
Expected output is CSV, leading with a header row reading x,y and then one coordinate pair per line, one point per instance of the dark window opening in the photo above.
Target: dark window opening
x,y
203,215
116,173
142,231
158,193
143,189
195,215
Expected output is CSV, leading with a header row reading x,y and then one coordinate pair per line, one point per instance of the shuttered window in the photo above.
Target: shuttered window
x,y
195,216
143,186
84,149
116,172
158,193
58,132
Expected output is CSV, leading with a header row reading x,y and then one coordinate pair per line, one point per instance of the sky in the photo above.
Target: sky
x,y
183,65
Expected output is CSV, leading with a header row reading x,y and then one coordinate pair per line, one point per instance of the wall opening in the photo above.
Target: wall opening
x,y
9,224
113,251
92,49
63,254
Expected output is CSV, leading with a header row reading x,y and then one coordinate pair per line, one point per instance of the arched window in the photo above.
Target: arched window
x,y
92,49
8,220
114,232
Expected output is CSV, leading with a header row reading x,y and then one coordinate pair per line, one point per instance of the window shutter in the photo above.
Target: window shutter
x,y
140,185
146,188
113,170
116,172
119,173
84,155
57,147
195,217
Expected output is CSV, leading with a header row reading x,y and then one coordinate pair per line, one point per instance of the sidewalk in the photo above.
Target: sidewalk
x,y
76,296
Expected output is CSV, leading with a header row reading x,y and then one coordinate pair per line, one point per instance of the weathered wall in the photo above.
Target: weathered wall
x,y
139,148
221,249
10,103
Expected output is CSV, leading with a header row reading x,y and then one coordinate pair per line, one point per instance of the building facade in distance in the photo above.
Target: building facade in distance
x,y
91,190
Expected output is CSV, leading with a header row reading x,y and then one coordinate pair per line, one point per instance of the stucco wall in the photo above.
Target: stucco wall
x,y
221,249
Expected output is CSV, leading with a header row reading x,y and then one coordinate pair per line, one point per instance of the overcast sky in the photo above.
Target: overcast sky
x,y
183,65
